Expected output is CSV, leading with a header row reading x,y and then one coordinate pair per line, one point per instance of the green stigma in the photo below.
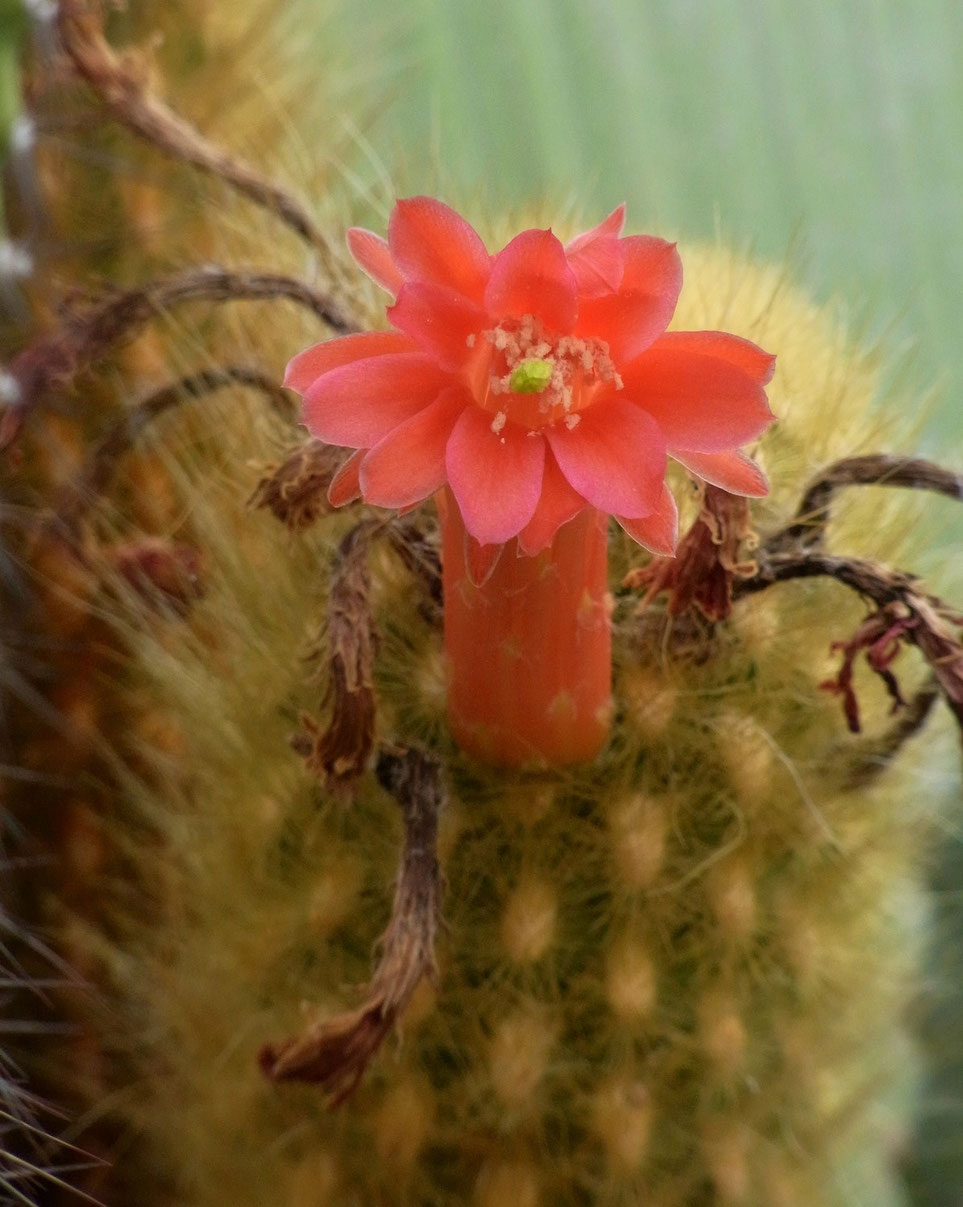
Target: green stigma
x,y
531,376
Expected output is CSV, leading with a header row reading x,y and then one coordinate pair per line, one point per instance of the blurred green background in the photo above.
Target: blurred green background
x,y
828,132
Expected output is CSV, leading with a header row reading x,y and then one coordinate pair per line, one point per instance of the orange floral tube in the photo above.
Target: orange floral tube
x,y
529,649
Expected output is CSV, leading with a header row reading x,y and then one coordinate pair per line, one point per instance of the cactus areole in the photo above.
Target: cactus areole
x,y
533,393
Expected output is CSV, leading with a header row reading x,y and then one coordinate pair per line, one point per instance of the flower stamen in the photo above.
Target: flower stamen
x,y
563,371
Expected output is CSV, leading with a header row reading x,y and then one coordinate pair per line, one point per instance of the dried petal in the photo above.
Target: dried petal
x,y
296,491
339,752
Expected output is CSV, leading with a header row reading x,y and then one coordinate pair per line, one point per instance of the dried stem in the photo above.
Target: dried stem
x,y
878,583
80,27
902,611
922,619
335,1054
94,479
83,339
339,753
419,551
808,528
866,763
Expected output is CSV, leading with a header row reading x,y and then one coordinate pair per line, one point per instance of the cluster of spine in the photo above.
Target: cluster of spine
x,y
677,976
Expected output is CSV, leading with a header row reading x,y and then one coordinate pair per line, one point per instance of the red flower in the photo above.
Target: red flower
x,y
534,383
533,392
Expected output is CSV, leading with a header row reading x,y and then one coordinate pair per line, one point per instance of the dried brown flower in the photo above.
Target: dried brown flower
x,y
713,553
338,752
336,1052
296,491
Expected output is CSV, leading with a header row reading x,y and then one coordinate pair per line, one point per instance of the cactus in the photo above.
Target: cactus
x,y
676,974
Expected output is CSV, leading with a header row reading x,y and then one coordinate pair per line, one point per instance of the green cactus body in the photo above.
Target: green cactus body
x,y
677,975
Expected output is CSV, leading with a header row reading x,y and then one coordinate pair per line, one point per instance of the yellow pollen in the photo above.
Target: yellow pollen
x,y
536,377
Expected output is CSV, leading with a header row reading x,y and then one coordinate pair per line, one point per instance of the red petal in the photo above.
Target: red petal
x,y
430,242
344,486
596,256
531,276
439,319
558,503
737,351
632,319
371,254
732,471
612,225
304,370
700,401
358,404
614,457
496,477
658,532
409,463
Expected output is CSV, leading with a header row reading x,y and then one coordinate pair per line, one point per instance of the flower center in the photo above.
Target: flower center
x,y
534,377
531,376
